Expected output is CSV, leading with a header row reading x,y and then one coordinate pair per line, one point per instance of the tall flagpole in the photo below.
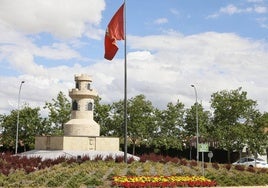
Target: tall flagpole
x,y
125,86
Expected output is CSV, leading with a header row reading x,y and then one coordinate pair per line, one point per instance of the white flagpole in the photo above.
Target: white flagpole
x,y
125,86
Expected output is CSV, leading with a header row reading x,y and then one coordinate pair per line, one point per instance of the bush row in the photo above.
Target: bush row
x,y
10,163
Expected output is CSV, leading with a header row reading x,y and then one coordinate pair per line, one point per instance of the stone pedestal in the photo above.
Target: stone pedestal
x,y
77,143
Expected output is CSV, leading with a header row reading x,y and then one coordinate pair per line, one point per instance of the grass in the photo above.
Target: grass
x,y
98,173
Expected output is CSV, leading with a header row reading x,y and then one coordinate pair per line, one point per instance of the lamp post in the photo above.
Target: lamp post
x,y
196,114
18,117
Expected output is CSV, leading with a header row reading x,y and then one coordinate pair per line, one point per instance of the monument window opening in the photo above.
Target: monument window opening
x,y
74,105
88,86
77,85
89,106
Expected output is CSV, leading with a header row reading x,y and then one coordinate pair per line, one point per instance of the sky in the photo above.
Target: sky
x,y
213,44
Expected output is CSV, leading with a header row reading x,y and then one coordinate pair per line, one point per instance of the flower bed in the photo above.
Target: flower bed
x,y
162,181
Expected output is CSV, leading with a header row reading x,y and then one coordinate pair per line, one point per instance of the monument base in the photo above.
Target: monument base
x,y
77,143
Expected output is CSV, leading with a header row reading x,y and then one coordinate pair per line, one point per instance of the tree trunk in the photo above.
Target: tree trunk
x,y
133,148
229,156
266,154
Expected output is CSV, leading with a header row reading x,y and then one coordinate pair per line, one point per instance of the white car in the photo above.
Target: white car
x,y
251,162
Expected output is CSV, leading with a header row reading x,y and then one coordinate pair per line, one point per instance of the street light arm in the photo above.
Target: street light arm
x,y
195,93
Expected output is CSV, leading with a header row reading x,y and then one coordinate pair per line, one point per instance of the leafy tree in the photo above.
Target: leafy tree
x,y
30,125
256,135
264,122
204,122
59,113
117,119
190,128
169,130
102,117
140,121
232,114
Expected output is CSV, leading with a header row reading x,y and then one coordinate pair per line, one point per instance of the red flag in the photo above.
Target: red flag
x,y
114,31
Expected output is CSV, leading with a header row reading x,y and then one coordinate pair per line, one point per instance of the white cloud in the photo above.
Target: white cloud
x,y
212,61
20,52
162,67
62,18
263,22
156,42
56,51
174,11
213,16
161,21
230,9
23,61
260,9
255,1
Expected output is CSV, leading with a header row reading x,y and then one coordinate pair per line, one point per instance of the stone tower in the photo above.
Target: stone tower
x,y
81,133
82,123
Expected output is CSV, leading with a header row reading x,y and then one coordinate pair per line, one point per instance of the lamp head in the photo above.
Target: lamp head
x,y
192,85
22,82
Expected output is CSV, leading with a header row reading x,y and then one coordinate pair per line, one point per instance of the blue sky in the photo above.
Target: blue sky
x,y
171,44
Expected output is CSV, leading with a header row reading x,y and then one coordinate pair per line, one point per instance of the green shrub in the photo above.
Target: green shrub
x,y
100,173
93,182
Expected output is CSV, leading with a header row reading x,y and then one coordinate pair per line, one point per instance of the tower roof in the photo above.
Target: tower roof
x,y
83,77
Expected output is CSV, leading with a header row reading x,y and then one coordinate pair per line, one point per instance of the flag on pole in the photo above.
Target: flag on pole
x,y
114,31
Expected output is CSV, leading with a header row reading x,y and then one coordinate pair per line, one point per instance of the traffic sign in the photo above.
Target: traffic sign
x,y
202,147
210,154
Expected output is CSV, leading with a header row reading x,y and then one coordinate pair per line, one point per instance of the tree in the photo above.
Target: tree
x,y
264,122
102,117
169,127
140,119
30,125
59,113
231,118
190,127
256,134
204,122
117,119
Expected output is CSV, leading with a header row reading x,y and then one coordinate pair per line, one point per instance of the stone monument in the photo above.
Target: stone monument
x,y
81,132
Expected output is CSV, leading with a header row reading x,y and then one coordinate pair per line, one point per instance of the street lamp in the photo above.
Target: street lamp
x,y
18,117
196,113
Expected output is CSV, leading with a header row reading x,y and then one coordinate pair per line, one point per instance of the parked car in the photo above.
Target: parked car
x,y
252,162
